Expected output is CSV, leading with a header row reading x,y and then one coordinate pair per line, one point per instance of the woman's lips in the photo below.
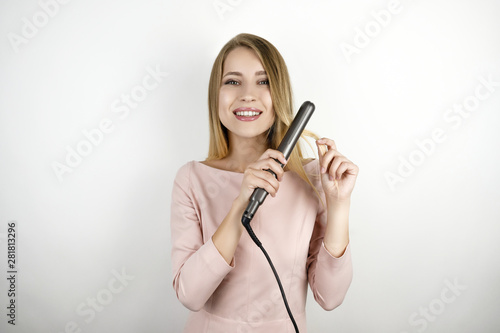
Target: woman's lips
x,y
247,114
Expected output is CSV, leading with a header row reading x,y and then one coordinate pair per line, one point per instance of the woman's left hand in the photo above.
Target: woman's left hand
x,y
335,170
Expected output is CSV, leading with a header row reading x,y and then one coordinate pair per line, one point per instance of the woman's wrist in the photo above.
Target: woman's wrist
x,y
337,228
239,207
240,204
339,203
227,235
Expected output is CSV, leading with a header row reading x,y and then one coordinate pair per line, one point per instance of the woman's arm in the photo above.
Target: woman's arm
x,y
329,262
338,176
197,266
329,271
228,234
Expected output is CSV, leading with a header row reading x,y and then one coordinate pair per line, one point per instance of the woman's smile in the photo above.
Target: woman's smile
x,y
247,114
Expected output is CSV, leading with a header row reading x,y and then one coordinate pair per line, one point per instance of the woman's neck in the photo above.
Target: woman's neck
x,y
244,151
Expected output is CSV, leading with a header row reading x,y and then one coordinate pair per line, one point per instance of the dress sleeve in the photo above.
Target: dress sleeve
x,y
198,268
329,276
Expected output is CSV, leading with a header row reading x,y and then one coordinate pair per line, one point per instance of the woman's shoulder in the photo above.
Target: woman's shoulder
x,y
184,171
214,164
189,171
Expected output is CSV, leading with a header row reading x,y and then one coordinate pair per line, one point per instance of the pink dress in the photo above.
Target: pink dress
x,y
244,296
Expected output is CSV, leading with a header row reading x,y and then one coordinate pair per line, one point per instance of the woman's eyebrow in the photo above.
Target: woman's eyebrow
x,y
233,73
239,74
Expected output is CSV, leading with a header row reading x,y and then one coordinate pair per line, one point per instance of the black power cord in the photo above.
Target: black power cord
x,y
246,223
259,194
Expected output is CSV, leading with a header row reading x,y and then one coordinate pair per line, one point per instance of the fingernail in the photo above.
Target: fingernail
x,y
331,178
323,169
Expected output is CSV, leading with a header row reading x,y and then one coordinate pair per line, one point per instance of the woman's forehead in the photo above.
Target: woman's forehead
x,y
243,59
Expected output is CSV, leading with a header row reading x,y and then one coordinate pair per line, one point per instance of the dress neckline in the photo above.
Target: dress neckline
x,y
217,169
241,173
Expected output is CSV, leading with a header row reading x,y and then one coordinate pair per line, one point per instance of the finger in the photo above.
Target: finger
x,y
276,157
333,171
273,153
328,158
324,161
321,149
269,164
321,153
271,180
328,142
265,180
340,170
252,181
347,167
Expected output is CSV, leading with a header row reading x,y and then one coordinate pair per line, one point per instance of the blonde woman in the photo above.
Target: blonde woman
x,y
219,273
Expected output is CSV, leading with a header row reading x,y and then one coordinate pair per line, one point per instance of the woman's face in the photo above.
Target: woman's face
x,y
245,105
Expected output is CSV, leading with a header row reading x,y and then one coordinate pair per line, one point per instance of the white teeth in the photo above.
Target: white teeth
x,y
247,113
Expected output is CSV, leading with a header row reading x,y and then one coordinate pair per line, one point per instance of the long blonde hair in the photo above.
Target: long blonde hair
x,y
281,95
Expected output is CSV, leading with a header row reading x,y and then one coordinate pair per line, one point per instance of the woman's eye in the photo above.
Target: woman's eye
x,y
264,82
231,82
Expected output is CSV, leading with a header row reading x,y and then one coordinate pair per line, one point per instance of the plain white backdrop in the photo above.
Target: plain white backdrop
x,y
102,101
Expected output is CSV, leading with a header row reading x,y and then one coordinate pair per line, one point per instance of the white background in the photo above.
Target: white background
x,y
437,225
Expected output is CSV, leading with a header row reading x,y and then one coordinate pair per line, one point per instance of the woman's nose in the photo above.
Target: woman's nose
x,y
248,93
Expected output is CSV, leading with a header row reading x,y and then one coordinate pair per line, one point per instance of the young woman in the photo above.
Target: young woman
x,y
219,273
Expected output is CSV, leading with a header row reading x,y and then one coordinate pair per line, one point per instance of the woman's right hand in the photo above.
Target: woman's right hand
x,y
256,175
